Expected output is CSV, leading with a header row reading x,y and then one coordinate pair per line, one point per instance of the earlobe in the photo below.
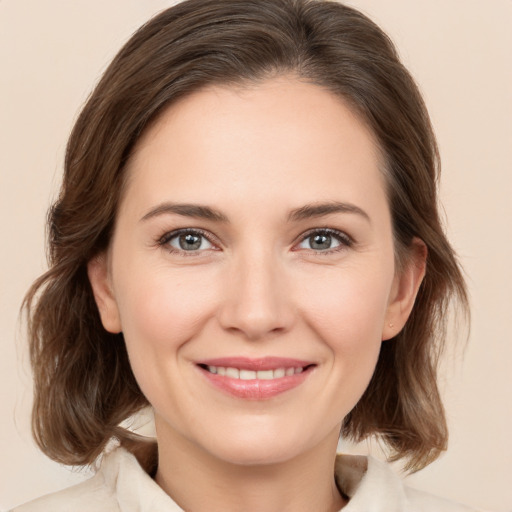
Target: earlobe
x,y
405,288
99,277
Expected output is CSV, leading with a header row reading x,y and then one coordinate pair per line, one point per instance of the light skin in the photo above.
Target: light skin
x,y
284,249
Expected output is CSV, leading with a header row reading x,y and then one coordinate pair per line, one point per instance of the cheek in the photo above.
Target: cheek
x,y
161,310
348,318
350,308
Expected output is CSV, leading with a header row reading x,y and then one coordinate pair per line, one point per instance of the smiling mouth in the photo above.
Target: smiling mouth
x,y
243,374
255,379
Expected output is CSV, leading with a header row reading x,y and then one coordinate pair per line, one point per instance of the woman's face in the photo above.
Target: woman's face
x,y
252,269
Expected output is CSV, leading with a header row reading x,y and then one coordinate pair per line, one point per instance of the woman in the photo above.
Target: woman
x,y
247,239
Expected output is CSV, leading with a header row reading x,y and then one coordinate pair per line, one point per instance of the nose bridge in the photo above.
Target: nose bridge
x,y
256,301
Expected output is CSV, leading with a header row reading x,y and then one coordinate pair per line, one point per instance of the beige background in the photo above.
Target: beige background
x,y
51,54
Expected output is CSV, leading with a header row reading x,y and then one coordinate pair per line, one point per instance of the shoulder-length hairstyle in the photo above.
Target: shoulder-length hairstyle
x,y
84,386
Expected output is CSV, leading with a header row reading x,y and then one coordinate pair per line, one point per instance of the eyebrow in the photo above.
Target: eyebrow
x,y
320,209
186,210
307,211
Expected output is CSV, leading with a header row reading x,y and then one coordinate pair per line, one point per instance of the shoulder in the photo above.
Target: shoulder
x,y
88,496
97,494
372,485
120,485
425,502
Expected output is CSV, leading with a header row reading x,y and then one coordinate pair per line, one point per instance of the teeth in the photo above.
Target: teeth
x,y
280,372
247,374
235,373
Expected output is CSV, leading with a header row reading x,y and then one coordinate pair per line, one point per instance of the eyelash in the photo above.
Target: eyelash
x,y
164,240
345,241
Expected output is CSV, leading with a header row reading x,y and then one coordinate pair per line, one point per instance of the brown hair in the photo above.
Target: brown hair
x,y
84,386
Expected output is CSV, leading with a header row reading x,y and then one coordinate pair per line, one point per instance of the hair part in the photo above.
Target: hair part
x,y
84,386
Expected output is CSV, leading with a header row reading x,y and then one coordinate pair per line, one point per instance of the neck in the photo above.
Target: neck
x,y
199,481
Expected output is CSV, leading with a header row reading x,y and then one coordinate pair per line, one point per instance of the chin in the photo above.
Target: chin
x,y
256,454
261,446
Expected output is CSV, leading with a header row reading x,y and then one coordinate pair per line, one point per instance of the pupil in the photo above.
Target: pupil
x,y
190,242
321,242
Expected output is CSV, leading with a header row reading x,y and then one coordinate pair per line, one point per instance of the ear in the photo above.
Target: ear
x,y
99,277
405,287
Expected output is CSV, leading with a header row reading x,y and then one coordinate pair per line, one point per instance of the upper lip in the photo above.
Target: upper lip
x,y
255,364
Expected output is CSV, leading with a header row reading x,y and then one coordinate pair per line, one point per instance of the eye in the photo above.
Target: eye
x,y
187,240
325,240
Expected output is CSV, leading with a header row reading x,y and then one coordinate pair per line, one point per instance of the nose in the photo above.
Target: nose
x,y
257,301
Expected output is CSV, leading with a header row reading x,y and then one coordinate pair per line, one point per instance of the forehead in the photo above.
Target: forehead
x,y
279,135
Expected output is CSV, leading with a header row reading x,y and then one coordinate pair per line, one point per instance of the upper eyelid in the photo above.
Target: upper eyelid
x,y
175,232
169,235
341,234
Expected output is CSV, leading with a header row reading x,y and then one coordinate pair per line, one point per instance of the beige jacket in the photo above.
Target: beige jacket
x,y
121,485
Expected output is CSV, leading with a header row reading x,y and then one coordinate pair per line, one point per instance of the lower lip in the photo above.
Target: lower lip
x,y
256,389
